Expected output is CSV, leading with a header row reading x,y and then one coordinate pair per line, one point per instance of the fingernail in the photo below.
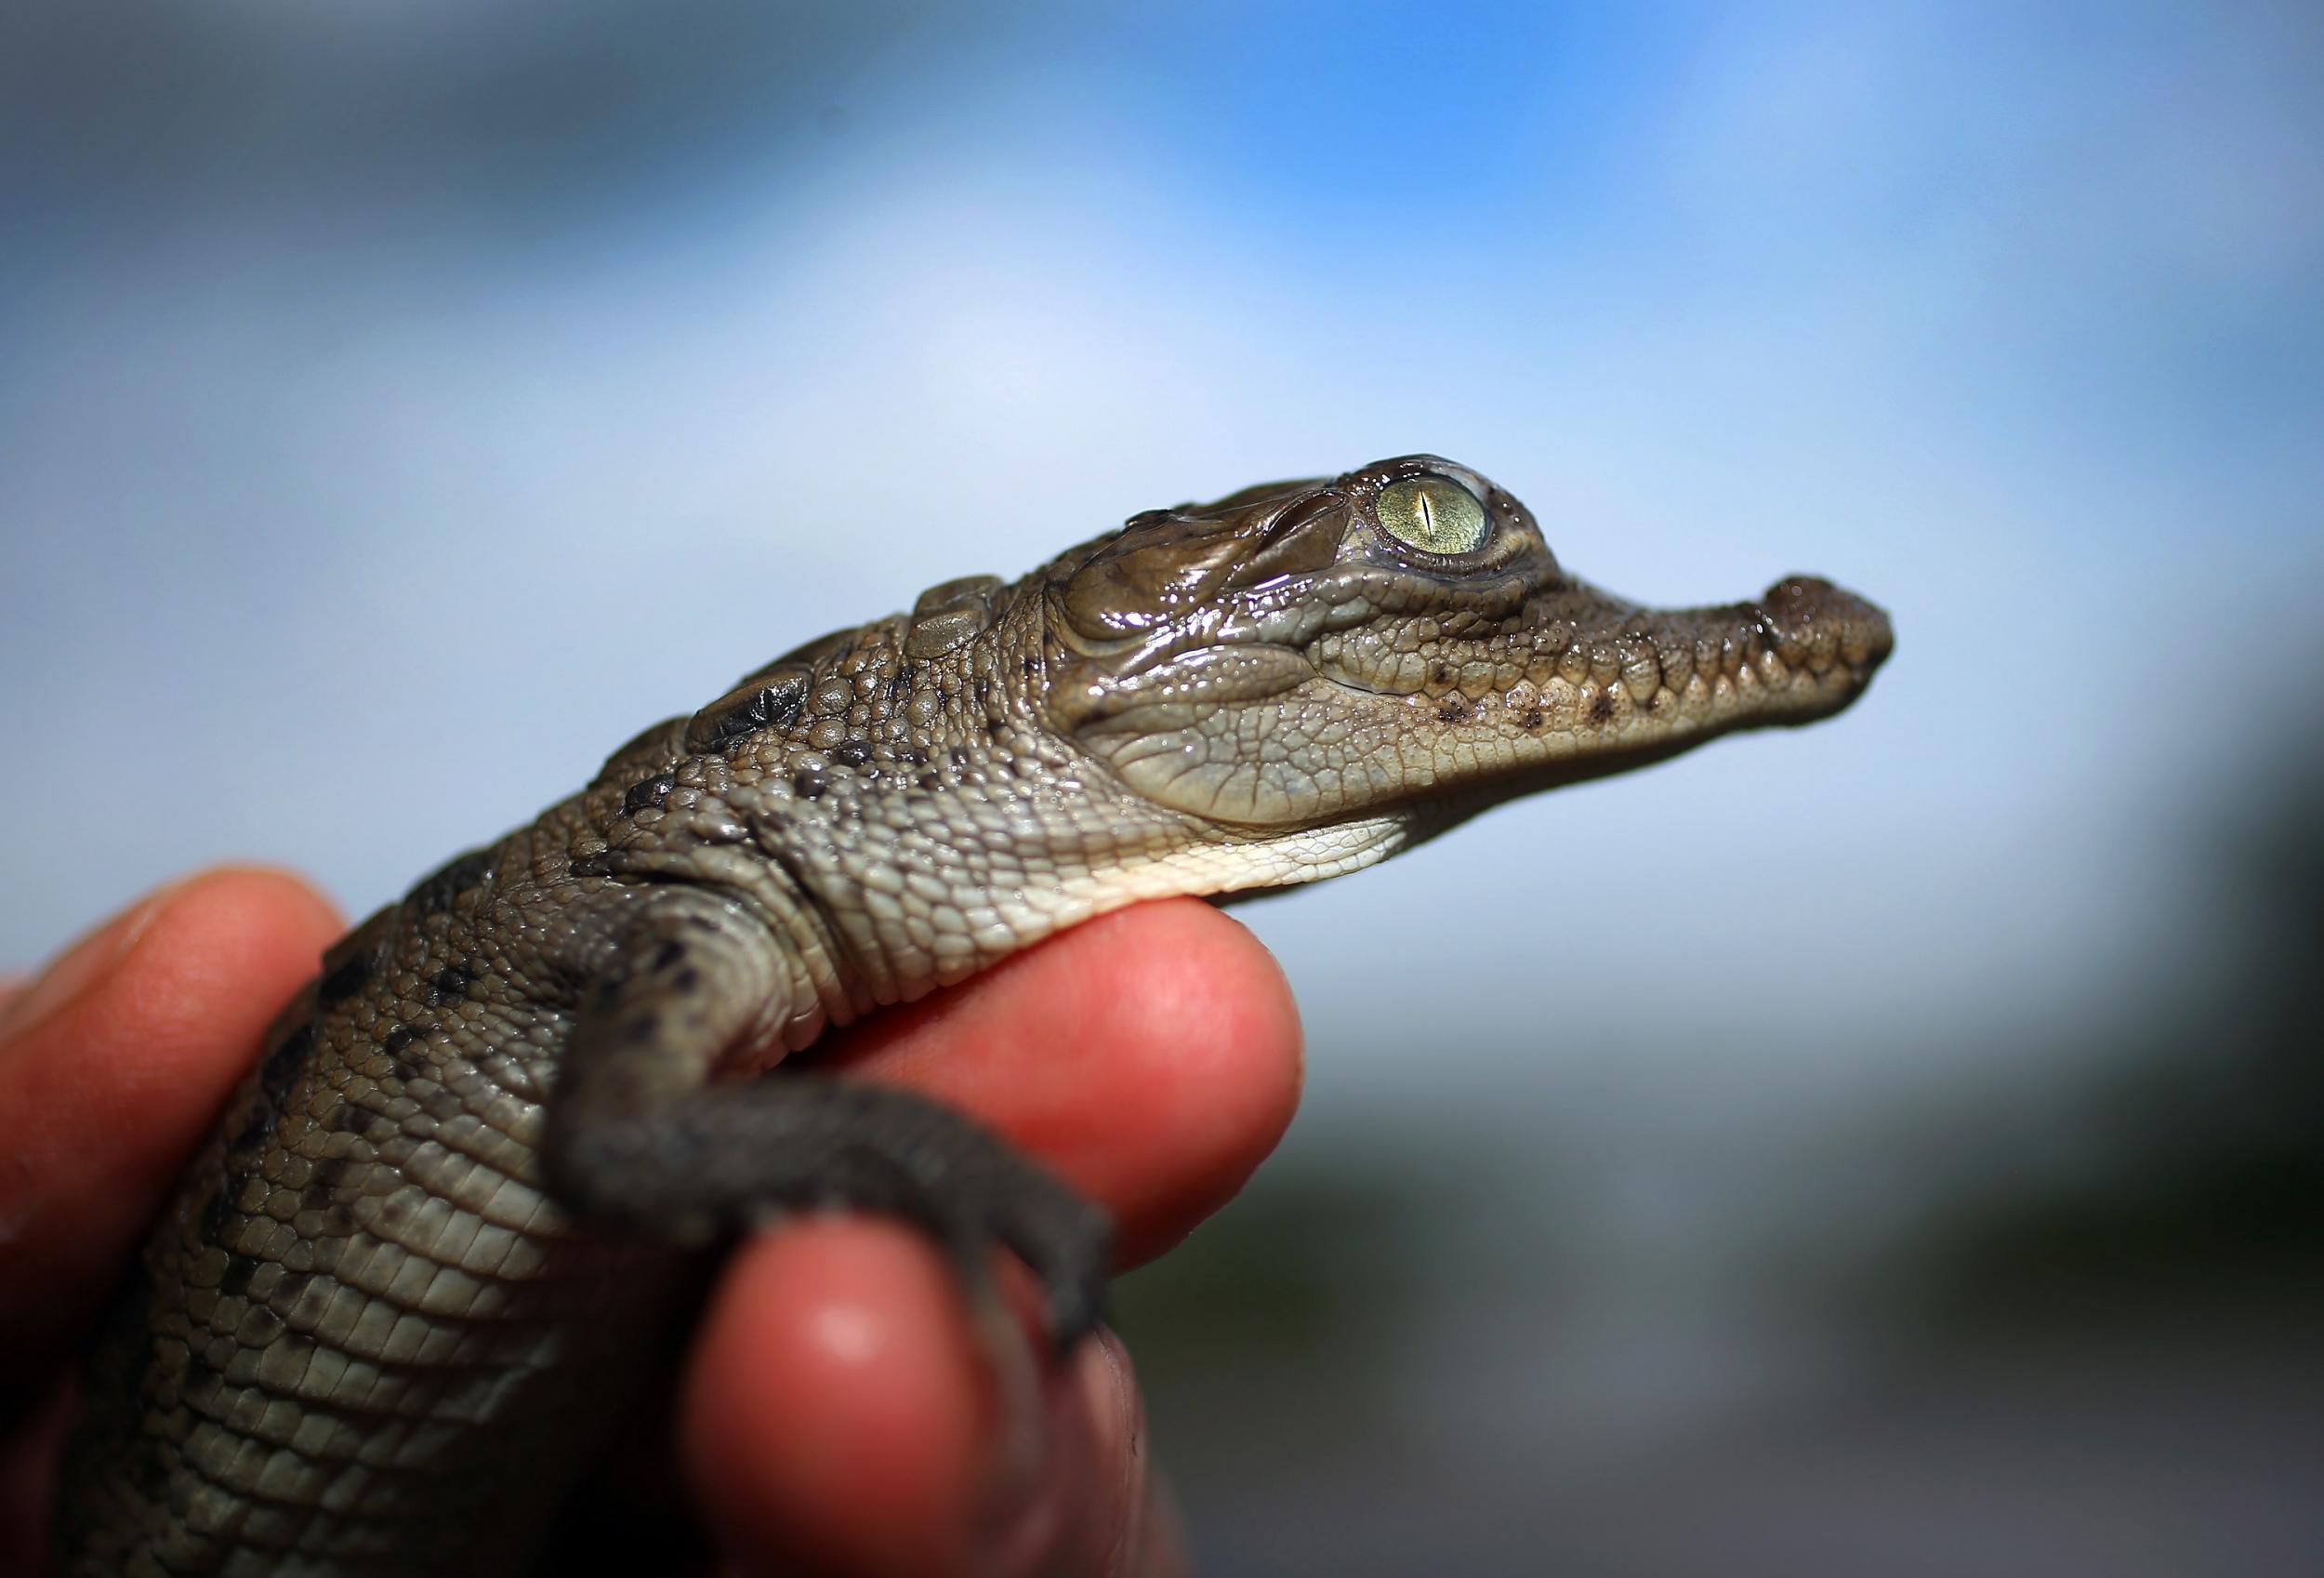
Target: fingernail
x,y
1018,1508
82,965
1139,1521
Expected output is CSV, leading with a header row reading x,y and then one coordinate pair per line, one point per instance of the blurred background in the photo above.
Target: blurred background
x,y
1894,1149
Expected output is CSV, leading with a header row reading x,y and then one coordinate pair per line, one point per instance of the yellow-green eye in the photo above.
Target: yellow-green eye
x,y
1435,513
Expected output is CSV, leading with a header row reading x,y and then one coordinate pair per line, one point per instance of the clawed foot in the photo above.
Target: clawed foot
x,y
728,1157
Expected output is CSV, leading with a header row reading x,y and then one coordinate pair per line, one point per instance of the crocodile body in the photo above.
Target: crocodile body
x,y
389,1311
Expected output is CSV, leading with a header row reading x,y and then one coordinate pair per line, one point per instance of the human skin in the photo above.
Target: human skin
x,y
1150,1056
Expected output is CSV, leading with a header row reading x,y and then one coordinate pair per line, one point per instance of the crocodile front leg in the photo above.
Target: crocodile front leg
x,y
639,1136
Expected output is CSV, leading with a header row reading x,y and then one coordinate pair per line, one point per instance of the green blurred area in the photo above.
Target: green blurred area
x,y
2193,1163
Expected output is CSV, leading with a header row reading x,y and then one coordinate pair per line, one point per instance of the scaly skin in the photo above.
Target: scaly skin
x,y
395,1303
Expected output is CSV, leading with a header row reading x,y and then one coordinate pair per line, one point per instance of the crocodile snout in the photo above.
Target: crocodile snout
x,y
1816,624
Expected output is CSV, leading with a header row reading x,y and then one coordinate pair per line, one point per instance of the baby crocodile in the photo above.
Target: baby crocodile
x,y
375,1330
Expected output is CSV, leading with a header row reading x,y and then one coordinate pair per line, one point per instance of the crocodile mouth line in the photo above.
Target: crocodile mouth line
x,y
1741,644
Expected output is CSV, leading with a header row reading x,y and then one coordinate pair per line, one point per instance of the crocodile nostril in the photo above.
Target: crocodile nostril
x,y
1820,620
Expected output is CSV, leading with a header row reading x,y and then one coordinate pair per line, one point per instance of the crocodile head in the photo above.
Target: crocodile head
x,y
1399,646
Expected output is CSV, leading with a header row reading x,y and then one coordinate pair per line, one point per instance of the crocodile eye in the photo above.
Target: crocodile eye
x,y
1434,513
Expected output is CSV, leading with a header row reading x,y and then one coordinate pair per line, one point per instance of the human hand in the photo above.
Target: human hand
x,y
1151,1057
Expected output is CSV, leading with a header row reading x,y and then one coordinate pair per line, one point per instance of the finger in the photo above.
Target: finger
x,y
30,1447
836,1406
112,1065
842,1416
1151,1057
